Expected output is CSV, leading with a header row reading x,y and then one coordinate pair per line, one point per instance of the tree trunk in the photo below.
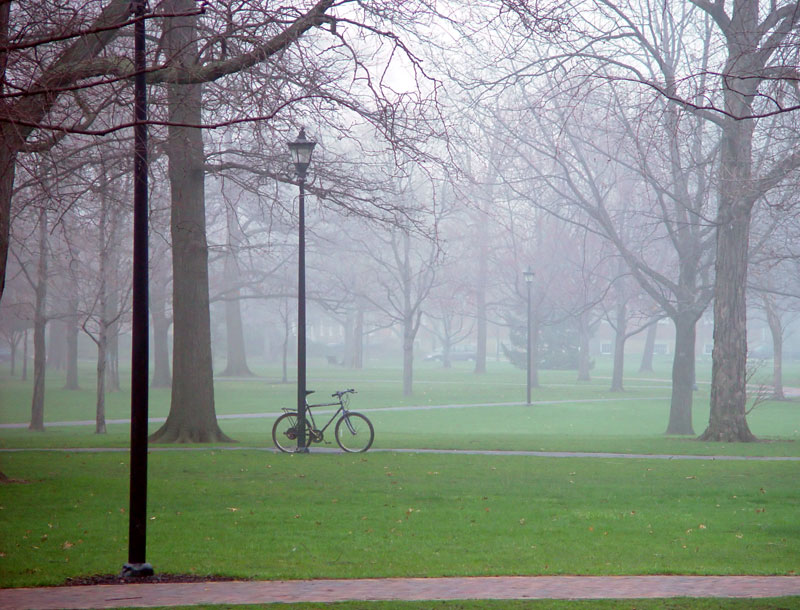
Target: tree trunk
x,y
727,420
14,344
776,330
355,340
236,361
584,357
162,377
481,324
236,365
619,348
100,411
56,345
649,347
285,347
192,416
535,350
8,162
683,363
72,346
236,353
24,376
408,356
39,323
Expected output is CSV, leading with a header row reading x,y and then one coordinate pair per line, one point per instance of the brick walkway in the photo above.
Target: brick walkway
x,y
498,587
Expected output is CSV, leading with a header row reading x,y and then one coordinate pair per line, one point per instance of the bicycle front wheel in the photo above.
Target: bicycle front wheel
x,y
354,432
284,432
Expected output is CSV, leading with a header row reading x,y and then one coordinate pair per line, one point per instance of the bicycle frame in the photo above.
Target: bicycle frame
x,y
341,403
310,414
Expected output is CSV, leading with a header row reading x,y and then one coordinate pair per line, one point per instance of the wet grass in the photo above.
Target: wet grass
x,y
266,516
565,416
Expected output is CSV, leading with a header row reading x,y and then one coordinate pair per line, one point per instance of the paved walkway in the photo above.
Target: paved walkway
x,y
497,587
519,452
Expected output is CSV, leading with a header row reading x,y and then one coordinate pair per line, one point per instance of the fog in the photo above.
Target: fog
x,y
652,199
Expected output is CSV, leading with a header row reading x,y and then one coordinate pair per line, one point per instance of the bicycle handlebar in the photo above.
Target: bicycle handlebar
x,y
341,393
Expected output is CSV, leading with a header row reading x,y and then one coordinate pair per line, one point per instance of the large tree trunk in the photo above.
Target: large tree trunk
x,y
649,347
727,420
162,377
192,416
683,363
39,323
72,346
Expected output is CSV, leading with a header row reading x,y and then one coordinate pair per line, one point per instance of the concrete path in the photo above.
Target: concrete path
x,y
497,587
322,411
520,452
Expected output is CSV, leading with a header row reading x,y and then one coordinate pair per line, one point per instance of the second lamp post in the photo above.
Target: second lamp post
x,y
301,150
528,275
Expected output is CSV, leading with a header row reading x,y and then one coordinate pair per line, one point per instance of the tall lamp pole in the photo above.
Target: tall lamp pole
x,y
528,275
137,514
301,150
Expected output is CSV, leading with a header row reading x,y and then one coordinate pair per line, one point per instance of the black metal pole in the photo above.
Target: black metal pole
x,y
302,446
137,536
529,342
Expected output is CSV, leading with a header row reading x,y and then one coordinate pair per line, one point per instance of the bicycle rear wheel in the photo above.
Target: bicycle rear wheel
x,y
284,432
354,432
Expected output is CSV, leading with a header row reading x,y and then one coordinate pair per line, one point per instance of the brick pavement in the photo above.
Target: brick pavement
x,y
495,587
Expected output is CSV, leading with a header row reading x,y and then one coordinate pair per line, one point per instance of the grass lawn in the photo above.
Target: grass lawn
x,y
566,416
255,514
261,515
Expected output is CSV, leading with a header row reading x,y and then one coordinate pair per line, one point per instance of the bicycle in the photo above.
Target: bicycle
x,y
354,432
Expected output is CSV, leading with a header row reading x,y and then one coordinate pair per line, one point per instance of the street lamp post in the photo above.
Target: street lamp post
x,y
528,275
137,523
301,150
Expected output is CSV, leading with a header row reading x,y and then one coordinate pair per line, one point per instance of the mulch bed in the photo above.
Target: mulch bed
x,y
118,579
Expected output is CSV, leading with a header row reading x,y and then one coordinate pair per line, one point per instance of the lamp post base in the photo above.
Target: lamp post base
x,y
137,570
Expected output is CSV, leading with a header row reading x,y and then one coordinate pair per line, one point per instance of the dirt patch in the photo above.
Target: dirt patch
x,y
118,579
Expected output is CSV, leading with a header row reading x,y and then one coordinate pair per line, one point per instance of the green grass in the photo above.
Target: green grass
x,y
260,515
255,514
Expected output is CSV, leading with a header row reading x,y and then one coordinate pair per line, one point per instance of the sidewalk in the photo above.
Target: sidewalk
x,y
496,587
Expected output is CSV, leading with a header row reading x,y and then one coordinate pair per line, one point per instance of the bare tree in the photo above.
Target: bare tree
x,y
745,73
